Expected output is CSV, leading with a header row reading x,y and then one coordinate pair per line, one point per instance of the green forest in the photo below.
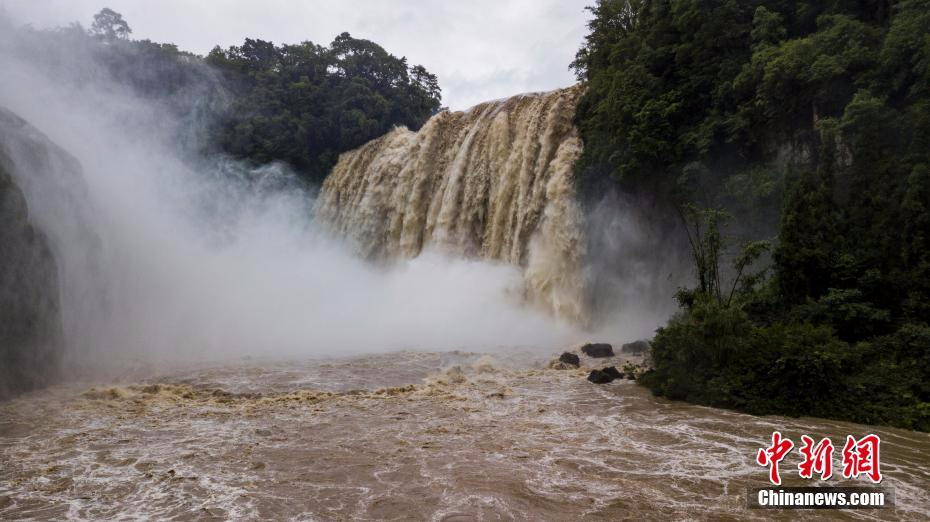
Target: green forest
x,y
793,139
305,104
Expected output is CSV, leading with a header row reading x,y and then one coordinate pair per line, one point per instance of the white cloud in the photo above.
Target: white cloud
x,y
482,49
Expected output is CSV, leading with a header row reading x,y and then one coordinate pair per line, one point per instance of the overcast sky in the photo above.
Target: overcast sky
x,y
480,49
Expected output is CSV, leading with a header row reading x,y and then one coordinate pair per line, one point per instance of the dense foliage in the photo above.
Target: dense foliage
x,y
813,119
305,104
302,104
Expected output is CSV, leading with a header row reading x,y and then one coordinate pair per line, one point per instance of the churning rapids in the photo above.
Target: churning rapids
x,y
406,436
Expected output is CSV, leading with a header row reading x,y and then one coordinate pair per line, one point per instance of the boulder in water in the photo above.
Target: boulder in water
x,y
598,350
605,375
570,358
635,348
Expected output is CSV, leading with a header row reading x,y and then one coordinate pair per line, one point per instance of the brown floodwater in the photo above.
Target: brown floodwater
x,y
404,436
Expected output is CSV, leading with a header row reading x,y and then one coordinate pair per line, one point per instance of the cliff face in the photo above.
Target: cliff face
x,y
30,318
492,182
39,187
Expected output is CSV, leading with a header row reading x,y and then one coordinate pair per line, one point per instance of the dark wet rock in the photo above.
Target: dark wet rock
x,y
598,350
613,372
630,377
29,306
635,348
570,358
42,202
600,377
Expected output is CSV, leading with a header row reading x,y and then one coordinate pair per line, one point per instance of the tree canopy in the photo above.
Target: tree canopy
x,y
109,25
306,103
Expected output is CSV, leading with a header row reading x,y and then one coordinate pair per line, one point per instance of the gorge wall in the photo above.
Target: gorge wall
x,y
493,182
30,320
42,201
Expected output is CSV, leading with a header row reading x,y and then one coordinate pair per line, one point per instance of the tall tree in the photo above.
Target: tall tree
x,y
109,25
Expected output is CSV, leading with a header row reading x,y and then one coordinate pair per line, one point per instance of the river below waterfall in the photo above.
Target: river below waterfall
x,y
409,435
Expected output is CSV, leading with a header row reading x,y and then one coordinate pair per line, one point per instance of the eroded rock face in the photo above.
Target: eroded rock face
x,y
30,320
43,207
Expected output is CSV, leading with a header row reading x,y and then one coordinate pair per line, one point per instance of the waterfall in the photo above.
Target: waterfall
x,y
493,182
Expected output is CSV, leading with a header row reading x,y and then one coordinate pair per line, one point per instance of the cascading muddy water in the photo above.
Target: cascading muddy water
x,y
493,182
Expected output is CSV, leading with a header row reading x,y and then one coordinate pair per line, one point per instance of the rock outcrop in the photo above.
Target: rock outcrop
x,y
43,206
30,313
